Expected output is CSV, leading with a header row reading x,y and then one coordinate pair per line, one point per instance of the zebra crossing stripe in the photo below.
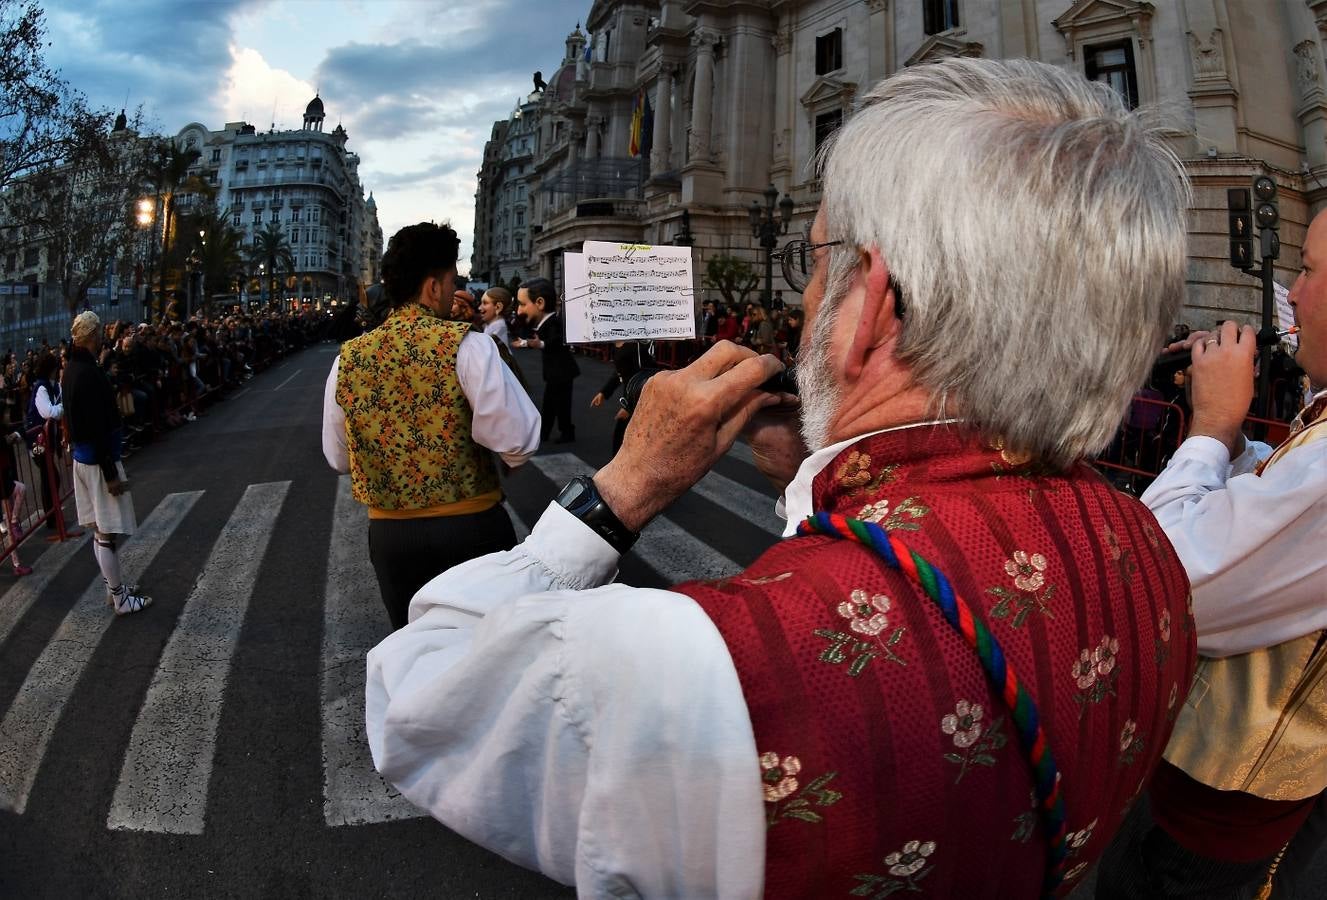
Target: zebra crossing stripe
x,y
748,504
353,622
31,720
741,451
163,782
16,602
665,547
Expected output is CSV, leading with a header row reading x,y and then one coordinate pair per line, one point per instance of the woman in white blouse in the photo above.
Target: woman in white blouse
x,y
493,308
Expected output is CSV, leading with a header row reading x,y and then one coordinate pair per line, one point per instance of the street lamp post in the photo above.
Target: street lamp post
x,y
768,229
146,213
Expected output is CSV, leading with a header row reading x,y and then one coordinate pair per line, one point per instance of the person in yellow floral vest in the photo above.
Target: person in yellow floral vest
x,y
1247,762
414,410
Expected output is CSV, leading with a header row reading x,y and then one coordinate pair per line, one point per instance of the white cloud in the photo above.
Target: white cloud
x,y
253,89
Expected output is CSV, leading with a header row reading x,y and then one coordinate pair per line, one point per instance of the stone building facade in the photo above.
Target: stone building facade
x,y
743,92
305,180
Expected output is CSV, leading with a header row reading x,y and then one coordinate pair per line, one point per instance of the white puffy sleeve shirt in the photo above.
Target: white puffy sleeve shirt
x,y
593,731
503,418
1255,547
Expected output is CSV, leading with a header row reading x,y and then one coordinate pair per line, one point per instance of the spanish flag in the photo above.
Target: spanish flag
x,y
642,126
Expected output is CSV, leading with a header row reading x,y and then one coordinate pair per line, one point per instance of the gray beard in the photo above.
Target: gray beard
x,y
815,381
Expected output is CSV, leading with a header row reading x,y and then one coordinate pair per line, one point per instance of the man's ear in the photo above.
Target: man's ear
x,y
877,321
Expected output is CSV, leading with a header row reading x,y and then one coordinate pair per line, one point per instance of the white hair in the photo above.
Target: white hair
x,y
1036,227
86,324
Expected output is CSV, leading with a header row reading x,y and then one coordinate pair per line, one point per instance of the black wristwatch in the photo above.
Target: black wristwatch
x,y
581,498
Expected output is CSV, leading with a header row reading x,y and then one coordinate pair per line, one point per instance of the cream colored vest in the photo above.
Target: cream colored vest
x,y
1257,722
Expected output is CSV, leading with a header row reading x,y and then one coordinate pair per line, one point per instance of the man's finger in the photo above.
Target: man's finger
x,y
737,420
719,358
744,377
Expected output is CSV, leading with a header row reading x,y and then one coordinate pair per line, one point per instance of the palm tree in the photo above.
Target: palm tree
x,y
170,175
220,256
271,248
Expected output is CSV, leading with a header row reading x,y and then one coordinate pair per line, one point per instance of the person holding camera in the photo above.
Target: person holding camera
x,y
952,676
96,439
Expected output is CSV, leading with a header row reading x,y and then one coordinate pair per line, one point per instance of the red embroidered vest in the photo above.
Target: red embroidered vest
x,y
888,764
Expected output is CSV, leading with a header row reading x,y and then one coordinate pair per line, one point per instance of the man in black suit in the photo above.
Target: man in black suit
x,y
536,304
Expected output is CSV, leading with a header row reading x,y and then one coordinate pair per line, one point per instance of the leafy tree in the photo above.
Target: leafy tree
x,y
41,118
170,175
220,251
732,277
271,248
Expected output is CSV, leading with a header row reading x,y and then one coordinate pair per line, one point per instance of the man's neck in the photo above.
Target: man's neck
x,y
544,318
883,406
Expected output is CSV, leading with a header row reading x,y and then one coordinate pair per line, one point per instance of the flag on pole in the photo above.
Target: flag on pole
x,y
637,124
642,126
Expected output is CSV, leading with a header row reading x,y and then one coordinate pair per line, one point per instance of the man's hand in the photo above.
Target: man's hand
x,y
1222,383
775,436
117,487
684,422
597,400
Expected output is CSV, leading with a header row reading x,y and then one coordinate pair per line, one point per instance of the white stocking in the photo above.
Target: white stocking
x,y
108,561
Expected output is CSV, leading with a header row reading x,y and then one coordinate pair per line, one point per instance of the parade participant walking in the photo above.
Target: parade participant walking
x,y
537,307
1246,765
96,438
955,679
629,357
414,410
493,306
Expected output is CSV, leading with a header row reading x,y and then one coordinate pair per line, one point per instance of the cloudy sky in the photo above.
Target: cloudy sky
x,y
416,83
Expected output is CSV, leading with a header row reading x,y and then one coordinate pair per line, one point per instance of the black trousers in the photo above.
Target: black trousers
x,y
557,405
1146,863
407,553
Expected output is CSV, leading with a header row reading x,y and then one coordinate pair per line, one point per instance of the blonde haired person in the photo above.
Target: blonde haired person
x,y
493,306
101,487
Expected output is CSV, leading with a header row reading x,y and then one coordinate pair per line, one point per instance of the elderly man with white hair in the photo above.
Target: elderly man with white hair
x,y
96,437
957,672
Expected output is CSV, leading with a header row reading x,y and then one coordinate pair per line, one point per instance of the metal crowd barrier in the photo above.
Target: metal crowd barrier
x,y
22,520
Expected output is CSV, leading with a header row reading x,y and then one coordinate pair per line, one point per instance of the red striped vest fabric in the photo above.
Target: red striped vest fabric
x,y
887,762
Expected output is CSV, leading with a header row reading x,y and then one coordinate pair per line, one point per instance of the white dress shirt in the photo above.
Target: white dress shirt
x,y
593,731
498,329
45,408
503,418
1255,546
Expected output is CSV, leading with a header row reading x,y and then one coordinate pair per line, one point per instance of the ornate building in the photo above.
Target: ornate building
x,y
307,182
742,93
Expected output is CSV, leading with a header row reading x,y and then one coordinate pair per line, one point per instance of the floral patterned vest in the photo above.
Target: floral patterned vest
x,y
407,421
888,764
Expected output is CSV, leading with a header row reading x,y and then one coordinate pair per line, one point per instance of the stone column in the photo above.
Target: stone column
x,y
592,137
701,102
881,49
661,158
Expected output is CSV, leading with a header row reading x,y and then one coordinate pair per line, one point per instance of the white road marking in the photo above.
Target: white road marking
x,y
167,767
664,546
746,503
28,725
287,381
522,531
742,451
16,602
354,620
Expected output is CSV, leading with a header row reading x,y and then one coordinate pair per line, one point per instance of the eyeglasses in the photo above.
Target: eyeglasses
x,y
797,261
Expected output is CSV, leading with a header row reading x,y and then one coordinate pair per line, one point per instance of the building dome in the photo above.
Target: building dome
x,y
315,107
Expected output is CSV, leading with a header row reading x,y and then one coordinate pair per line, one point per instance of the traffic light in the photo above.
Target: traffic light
x,y
1267,214
1241,227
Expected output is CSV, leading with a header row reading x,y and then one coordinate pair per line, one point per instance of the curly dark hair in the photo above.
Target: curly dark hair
x,y
415,254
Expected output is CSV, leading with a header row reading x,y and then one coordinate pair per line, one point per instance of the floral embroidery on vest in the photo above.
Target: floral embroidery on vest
x,y
780,780
1122,556
902,518
1131,743
1095,673
1027,573
977,742
1162,640
866,615
855,474
909,864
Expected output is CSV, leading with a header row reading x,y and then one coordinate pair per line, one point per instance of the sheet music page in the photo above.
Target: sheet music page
x,y
628,292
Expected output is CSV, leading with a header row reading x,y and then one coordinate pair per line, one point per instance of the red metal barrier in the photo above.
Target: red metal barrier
x,y
1149,435
23,515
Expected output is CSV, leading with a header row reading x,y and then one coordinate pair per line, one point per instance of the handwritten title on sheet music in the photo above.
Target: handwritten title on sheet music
x,y
620,292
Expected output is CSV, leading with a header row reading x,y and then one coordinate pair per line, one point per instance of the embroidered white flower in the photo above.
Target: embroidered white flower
x,y
1026,570
1163,625
1174,695
779,775
911,858
1104,655
1085,670
874,512
964,723
1077,839
1076,871
865,615
1127,735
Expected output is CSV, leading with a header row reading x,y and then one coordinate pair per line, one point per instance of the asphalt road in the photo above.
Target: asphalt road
x,y
212,746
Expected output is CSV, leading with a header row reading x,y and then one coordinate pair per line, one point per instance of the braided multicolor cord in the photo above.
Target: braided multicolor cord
x,y
955,610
